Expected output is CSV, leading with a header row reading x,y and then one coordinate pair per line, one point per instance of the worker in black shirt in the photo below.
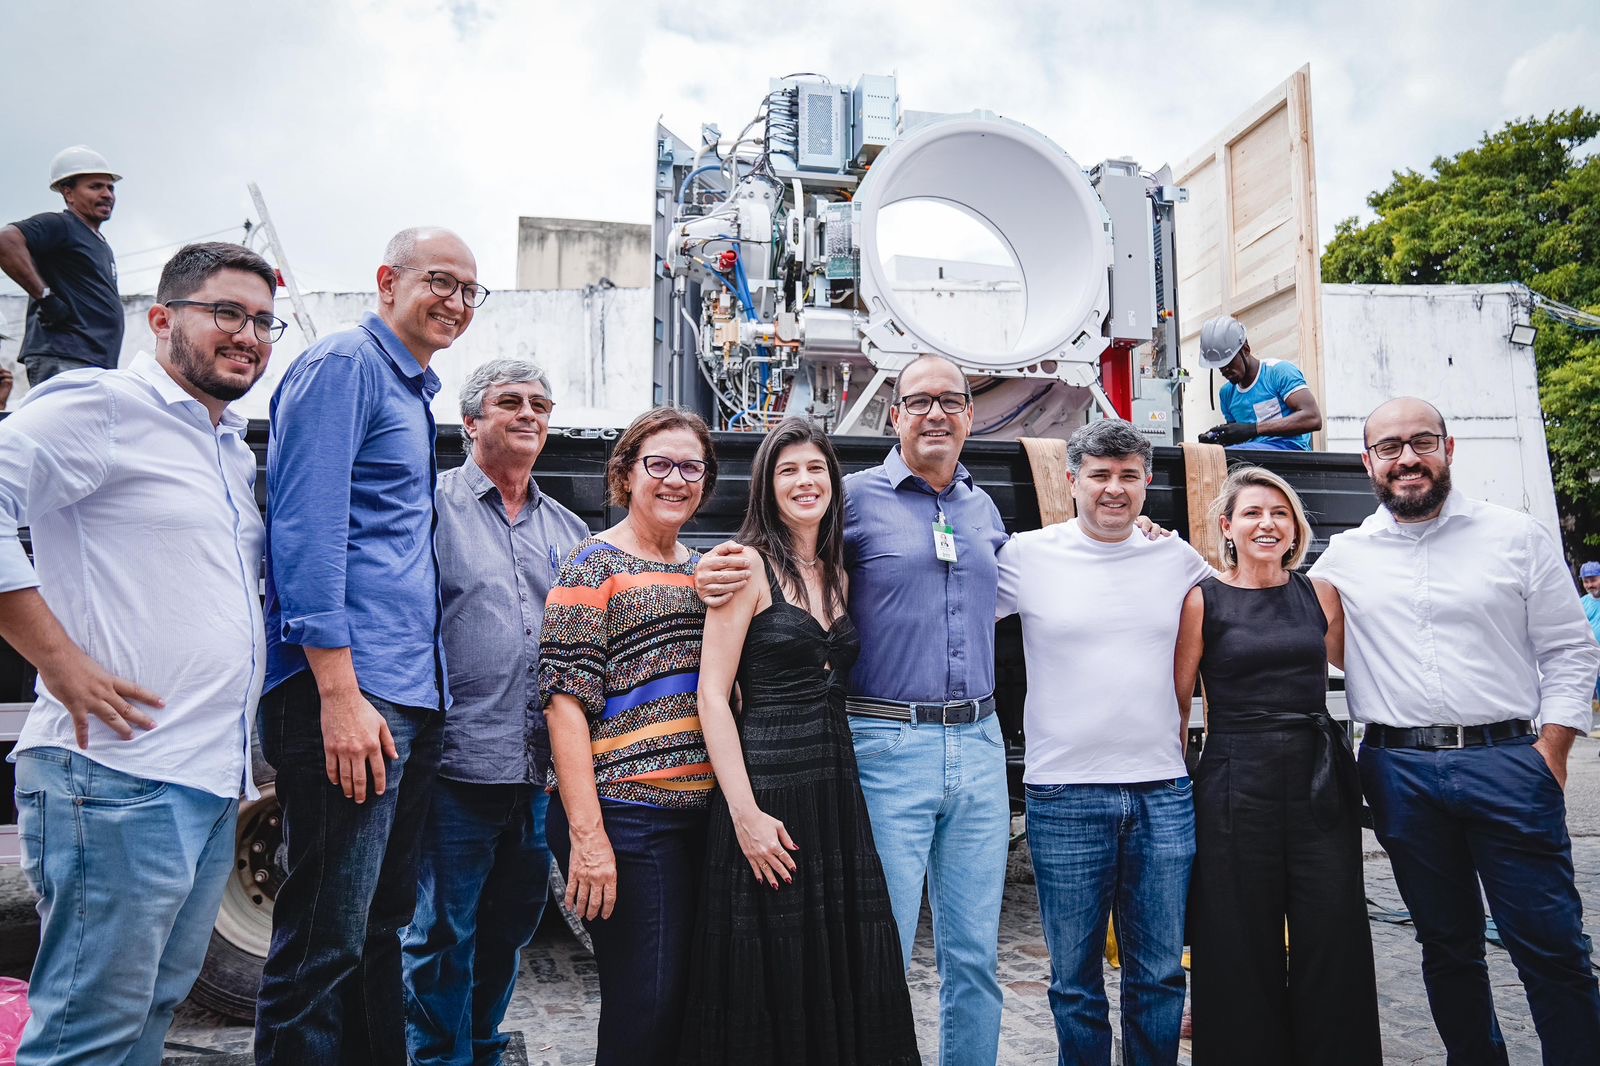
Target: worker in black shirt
x,y
66,267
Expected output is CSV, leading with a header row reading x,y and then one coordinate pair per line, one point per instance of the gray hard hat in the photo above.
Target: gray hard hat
x,y
1220,340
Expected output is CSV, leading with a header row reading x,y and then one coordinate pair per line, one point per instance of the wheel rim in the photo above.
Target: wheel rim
x,y
245,916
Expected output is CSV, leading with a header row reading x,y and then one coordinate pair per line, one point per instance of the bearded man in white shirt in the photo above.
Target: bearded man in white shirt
x,y
1471,663
141,612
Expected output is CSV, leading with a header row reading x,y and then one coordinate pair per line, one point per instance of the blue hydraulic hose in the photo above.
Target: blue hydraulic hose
x,y
689,177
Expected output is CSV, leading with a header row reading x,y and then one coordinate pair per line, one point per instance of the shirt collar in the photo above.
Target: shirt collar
x,y
894,464
481,486
1455,506
149,370
399,356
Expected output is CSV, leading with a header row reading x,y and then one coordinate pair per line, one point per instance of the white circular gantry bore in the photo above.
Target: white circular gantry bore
x,y
1035,200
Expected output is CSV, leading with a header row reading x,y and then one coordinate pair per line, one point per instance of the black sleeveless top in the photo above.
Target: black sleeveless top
x,y
1265,669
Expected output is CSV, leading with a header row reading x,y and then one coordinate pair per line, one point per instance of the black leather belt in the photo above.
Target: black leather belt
x,y
952,712
1447,737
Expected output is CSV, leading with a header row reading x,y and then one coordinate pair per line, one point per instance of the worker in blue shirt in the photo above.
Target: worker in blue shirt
x,y
1589,574
1266,402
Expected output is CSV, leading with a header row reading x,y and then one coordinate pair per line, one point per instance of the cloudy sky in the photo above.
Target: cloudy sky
x,y
358,117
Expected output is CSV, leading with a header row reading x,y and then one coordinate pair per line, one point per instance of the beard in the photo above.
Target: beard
x,y
1413,507
201,372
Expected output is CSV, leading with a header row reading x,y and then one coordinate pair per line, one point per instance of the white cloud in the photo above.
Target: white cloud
x,y
359,117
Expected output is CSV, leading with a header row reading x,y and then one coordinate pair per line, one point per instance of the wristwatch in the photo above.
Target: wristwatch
x,y
43,296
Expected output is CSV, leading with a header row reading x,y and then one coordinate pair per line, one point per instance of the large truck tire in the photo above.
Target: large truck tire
x,y
231,976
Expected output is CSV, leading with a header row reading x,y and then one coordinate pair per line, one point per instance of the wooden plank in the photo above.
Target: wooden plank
x,y
1247,242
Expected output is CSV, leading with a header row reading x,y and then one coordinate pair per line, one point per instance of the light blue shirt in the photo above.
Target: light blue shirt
x,y
1266,398
927,626
350,516
147,546
1591,610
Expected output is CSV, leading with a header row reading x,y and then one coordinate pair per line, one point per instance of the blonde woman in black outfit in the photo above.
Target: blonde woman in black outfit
x,y
1277,804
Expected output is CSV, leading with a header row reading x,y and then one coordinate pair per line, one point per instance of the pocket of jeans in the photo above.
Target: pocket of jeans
x,y
874,737
102,786
989,730
1042,792
1181,786
30,835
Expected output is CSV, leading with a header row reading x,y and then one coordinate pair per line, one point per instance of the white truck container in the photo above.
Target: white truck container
x,y
1450,345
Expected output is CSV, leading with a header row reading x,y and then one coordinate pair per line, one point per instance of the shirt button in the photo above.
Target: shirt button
x,y
529,632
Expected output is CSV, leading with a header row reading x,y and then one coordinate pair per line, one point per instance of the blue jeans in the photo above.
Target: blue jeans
x,y
481,887
130,873
331,988
642,950
940,813
1100,850
1449,819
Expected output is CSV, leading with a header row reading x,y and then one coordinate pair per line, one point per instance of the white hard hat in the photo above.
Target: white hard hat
x,y
79,159
1220,340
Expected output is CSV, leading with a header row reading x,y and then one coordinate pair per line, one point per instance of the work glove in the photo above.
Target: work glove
x,y
1229,433
55,311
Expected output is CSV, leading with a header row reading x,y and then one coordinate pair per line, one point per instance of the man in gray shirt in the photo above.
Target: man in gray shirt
x,y
483,871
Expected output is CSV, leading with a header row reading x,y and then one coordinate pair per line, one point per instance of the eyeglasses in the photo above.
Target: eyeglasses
x,y
659,467
230,318
513,404
1421,444
920,403
445,284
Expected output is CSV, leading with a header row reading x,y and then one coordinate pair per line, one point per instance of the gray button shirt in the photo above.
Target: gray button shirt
x,y
495,576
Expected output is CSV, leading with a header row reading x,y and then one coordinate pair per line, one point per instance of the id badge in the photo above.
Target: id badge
x,y
944,539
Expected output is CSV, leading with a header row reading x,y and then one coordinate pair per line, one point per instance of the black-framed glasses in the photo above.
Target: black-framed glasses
x,y
444,284
660,467
920,403
511,403
230,318
1421,444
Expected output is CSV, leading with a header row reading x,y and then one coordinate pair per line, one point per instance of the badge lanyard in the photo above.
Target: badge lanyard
x,y
944,538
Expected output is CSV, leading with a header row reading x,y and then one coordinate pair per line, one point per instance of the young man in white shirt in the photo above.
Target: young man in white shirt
x,y
1110,804
141,613
1471,663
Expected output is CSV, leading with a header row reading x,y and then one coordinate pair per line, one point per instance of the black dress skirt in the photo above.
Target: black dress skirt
x,y
810,973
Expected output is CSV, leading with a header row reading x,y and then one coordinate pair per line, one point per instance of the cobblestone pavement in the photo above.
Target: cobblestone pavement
x,y
557,999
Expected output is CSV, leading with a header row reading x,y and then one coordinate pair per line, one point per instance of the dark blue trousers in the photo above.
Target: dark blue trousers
x,y
1494,814
642,950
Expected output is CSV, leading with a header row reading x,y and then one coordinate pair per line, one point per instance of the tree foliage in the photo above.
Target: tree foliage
x,y
1523,205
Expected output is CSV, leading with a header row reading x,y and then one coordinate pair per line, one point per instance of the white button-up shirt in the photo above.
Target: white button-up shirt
x,y
147,546
1467,620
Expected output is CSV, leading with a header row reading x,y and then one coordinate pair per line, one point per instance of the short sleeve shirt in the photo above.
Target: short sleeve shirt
x,y
1265,399
77,264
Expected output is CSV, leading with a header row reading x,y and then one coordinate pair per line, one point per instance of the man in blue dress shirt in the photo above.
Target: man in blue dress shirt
x,y
352,718
1266,402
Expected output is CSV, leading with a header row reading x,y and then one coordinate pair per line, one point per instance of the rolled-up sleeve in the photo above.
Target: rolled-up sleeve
x,y
325,397
53,452
572,645
1563,643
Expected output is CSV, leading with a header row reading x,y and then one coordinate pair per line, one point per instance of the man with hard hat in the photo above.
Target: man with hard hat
x,y
1266,402
64,264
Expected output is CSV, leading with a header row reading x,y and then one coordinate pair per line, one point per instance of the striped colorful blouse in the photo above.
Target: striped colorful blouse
x,y
622,637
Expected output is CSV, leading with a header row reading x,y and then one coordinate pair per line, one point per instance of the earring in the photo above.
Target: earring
x,y
1229,543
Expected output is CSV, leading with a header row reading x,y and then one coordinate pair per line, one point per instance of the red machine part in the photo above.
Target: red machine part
x,y
1116,378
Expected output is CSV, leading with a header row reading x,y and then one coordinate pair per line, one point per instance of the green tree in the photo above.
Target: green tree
x,y
1522,205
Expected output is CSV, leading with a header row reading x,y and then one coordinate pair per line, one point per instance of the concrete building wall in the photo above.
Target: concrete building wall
x,y
594,344
570,253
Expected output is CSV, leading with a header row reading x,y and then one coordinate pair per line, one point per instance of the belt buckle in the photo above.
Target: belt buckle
x,y
1461,739
944,713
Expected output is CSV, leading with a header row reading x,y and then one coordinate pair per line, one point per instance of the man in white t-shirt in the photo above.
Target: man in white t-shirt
x,y
1110,804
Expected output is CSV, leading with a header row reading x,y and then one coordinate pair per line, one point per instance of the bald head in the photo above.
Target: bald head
x,y
409,246
1406,411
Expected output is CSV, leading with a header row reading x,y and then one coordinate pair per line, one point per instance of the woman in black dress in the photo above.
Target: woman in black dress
x,y
796,957
1277,804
